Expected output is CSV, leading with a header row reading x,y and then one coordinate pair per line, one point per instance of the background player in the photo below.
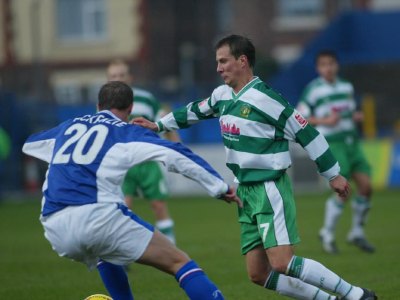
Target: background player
x,y
83,211
146,179
328,103
256,125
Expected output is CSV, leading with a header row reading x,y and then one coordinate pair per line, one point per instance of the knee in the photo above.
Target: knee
x,y
181,257
258,278
179,260
128,201
158,206
280,266
280,257
366,190
364,186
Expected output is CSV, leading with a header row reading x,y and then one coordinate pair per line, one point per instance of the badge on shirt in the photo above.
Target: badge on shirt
x,y
245,111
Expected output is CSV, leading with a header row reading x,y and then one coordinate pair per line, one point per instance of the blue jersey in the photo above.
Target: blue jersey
x,y
89,156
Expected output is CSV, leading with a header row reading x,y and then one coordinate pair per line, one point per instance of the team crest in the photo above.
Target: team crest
x,y
245,111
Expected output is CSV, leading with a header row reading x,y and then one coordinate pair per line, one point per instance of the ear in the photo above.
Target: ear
x,y
243,60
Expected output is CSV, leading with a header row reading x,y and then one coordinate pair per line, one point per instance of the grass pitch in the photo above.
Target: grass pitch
x,y
207,230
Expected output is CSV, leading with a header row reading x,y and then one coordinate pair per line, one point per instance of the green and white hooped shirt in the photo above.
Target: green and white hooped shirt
x,y
145,105
320,98
256,125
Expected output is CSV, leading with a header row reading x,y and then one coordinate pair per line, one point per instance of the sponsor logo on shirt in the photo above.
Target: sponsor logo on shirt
x,y
341,108
299,118
229,128
230,131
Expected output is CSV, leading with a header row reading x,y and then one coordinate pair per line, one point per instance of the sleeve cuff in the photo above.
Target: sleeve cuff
x,y
219,196
160,126
332,172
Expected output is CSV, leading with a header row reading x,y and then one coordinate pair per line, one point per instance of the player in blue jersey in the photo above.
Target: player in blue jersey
x,y
83,211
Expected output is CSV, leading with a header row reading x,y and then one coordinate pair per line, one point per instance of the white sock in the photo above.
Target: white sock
x,y
315,273
167,228
295,288
333,210
360,207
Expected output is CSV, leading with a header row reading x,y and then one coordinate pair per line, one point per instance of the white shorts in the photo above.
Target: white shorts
x,y
106,231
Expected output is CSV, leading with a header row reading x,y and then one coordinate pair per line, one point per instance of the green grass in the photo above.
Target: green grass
x,y
207,230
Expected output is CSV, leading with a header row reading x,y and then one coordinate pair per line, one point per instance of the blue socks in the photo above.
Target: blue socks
x,y
196,284
191,279
115,280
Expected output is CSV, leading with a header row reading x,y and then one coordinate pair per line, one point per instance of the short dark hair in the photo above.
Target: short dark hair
x,y
115,94
239,45
327,53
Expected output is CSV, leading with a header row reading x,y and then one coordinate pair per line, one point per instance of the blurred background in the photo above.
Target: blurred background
x,y
53,56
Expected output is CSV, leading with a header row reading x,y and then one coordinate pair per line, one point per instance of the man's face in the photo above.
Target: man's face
x,y
119,72
327,67
228,66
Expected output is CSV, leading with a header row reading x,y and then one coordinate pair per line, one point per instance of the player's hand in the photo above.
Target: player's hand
x,y
341,186
358,116
145,123
332,119
231,196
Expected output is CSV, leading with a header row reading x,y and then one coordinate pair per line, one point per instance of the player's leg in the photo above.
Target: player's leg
x,y
261,273
266,219
361,173
283,231
154,188
334,206
126,238
164,222
115,280
360,209
82,233
333,211
314,273
129,186
163,255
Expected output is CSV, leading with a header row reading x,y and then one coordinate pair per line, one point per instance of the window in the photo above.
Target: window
x,y
299,15
81,19
296,8
224,15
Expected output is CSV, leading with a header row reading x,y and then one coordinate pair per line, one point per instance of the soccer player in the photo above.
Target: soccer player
x,y
257,124
83,210
146,179
328,104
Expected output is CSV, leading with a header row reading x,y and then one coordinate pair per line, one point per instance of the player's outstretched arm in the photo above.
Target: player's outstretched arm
x,y
231,196
341,186
145,123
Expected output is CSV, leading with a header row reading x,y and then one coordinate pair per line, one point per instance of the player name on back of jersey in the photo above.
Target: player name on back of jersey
x,y
93,119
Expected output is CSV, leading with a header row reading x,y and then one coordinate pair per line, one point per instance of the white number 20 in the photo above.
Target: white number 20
x,y
81,135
